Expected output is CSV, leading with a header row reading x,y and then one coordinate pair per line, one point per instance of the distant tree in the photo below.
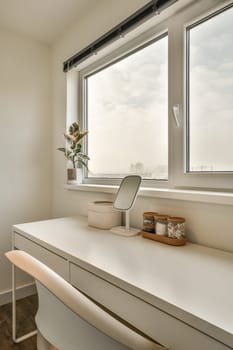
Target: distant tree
x,y
139,167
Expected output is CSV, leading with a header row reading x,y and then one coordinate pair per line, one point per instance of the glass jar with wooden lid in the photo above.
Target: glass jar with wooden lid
x,y
148,221
161,224
176,227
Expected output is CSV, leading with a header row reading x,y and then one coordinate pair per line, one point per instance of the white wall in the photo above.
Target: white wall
x,y
25,138
97,22
208,224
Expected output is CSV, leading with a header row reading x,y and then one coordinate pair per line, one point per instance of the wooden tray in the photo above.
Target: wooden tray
x,y
162,239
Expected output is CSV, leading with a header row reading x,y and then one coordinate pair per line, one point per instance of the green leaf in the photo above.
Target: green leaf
x,y
84,156
81,135
78,147
62,149
73,128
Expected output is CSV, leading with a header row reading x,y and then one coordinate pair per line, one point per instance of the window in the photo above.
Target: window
x,y
127,115
210,94
128,93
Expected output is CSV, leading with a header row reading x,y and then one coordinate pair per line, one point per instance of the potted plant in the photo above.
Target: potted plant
x,y
73,153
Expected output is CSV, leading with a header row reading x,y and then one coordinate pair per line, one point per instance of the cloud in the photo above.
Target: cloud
x,y
211,92
127,112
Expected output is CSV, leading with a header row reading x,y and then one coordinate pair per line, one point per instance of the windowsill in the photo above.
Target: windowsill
x,y
164,193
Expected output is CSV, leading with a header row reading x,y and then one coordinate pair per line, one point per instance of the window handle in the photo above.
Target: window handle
x,y
176,114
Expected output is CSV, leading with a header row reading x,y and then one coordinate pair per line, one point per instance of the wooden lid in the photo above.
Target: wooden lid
x,y
161,217
176,219
149,213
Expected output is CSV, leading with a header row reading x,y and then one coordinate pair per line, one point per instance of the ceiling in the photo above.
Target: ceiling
x,y
43,20
46,20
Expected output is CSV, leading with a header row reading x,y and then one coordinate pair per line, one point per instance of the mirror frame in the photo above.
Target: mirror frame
x,y
135,193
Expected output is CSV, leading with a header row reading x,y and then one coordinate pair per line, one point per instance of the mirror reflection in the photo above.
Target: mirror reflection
x,y
127,192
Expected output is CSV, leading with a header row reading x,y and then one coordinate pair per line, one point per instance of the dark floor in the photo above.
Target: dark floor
x,y
26,309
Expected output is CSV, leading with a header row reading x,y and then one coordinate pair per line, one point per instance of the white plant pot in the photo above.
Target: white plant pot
x,y
74,175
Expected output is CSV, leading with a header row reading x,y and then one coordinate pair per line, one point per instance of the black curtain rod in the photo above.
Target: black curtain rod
x,y
153,7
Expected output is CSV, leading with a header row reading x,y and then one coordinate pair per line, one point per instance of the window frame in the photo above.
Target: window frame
x,y
178,176
187,39
187,179
182,179
116,55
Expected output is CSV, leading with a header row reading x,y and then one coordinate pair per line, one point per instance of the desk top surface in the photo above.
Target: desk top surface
x,y
193,283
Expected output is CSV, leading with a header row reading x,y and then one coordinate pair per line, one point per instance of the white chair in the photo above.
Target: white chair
x,y
68,320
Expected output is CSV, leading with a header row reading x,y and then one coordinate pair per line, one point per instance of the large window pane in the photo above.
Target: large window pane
x,y
211,94
127,112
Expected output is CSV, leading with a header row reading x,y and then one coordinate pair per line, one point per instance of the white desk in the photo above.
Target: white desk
x,y
180,296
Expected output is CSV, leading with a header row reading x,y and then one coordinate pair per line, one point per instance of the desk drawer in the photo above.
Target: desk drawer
x,y
162,327
54,261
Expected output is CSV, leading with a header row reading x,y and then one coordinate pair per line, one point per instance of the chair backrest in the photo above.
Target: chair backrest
x,y
69,320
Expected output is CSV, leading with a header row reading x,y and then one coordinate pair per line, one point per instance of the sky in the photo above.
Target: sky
x,y
211,94
127,113
128,106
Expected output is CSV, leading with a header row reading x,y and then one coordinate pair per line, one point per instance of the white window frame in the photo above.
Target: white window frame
x,y
182,178
120,53
176,27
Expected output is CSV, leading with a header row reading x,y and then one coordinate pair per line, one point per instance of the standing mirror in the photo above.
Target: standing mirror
x,y
124,201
